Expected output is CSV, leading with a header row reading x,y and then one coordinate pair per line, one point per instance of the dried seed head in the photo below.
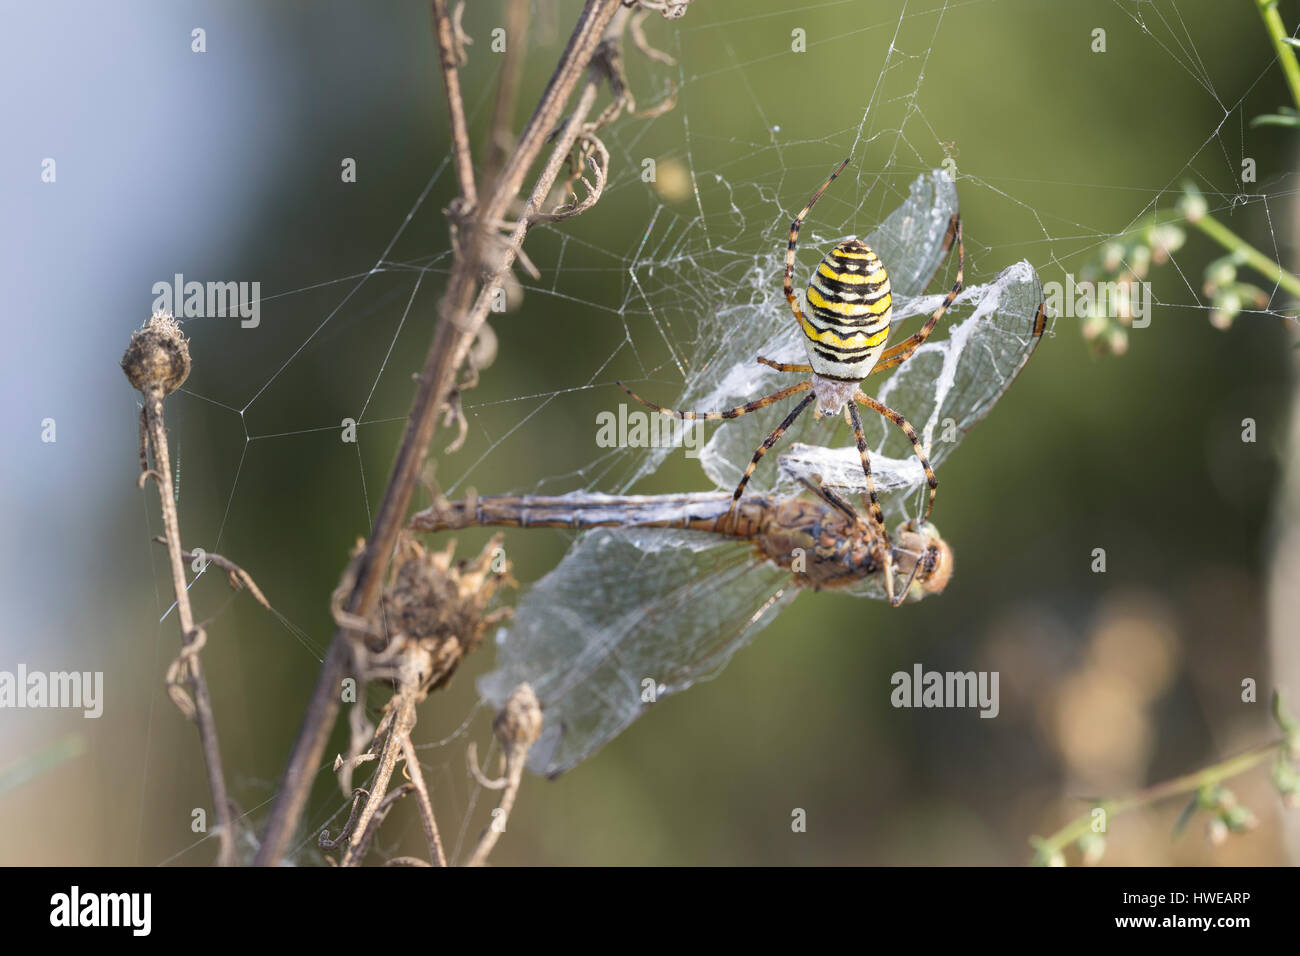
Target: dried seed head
x,y
158,356
519,723
439,604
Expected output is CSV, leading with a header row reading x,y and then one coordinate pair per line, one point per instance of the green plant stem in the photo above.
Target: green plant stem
x,y
1285,53
1188,783
1247,253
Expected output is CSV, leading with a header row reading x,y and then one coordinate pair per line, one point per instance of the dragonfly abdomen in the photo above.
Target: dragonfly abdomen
x,y
580,511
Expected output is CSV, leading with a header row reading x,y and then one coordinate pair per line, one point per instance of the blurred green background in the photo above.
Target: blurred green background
x,y
226,165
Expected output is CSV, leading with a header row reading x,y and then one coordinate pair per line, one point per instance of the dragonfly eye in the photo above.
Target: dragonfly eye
x,y
938,566
933,556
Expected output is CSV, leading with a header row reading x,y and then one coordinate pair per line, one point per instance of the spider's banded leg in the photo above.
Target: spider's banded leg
x,y
729,413
900,353
763,449
873,502
794,240
910,432
831,498
785,366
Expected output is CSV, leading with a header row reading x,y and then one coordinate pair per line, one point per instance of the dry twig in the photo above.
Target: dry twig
x,y
517,728
462,312
416,773
437,611
236,577
156,362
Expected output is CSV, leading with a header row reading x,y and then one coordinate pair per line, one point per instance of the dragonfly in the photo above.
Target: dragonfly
x,y
658,592
672,573
823,544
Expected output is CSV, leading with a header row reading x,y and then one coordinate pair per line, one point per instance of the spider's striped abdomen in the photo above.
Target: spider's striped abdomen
x,y
849,304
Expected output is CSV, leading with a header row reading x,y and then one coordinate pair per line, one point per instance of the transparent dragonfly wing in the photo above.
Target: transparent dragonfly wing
x,y
629,610
946,386
626,607
725,374
944,389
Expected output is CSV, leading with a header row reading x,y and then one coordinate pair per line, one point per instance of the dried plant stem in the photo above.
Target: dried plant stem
x,y
387,805
444,32
192,670
517,727
500,136
416,773
460,316
236,576
400,729
514,777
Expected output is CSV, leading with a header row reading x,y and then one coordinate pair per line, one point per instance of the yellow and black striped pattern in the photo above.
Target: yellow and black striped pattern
x,y
849,306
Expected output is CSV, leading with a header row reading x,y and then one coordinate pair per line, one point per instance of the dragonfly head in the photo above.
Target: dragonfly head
x,y
923,557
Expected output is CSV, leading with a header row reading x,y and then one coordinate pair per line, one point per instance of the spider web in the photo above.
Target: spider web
x,y
692,288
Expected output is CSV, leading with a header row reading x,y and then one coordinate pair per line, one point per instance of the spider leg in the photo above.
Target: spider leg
x,y
900,353
784,366
763,449
910,432
794,239
831,497
729,413
873,504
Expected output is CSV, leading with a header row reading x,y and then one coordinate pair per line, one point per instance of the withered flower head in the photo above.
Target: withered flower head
x,y
158,356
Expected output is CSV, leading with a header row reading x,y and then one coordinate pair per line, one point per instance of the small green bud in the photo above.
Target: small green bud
x,y
1193,205
1094,326
1164,240
1113,256
1118,341
1219,273
1239,818
1140,262
1222,319
1092,846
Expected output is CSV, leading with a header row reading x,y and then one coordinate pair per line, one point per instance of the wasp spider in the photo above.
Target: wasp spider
x,y
845,329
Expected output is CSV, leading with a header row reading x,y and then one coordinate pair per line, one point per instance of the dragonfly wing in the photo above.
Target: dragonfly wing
x,y
910,242
629,615
944,389
728,338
